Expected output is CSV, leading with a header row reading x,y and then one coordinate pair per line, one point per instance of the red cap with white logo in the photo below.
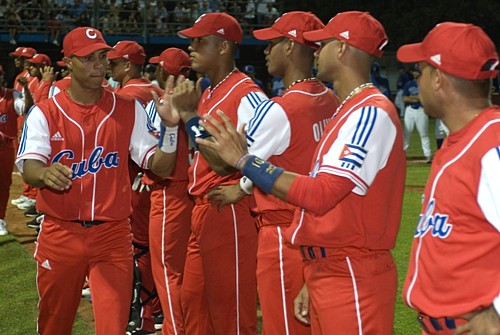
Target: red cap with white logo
x,y
83,41
174,61
218,24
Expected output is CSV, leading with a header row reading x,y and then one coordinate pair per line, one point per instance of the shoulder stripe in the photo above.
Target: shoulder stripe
x,y
262,111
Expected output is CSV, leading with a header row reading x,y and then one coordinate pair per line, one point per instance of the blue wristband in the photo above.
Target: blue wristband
x,y
195,130
261,173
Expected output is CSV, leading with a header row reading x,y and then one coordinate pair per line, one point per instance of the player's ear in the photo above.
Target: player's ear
x,y
68,62
289,47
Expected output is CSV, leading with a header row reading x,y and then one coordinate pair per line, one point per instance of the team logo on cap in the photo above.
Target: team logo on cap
x,y
436,59
293,33
345,34
198,19
91,34
221,31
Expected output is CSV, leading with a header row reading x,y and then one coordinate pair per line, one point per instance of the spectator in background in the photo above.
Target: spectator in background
x,y
249,15
160,17
278,87
14,23
379,80
249,70
415,115
271,14
262,10
403,78
150,74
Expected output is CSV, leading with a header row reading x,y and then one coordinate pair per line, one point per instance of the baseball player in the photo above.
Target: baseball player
x,y
351,200
40,68
75,147
23,83
125,62
171,207
219,286
285,131
11,106
453,275
415,115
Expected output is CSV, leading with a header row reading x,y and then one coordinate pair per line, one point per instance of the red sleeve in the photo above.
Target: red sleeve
x,y
42,91
319,195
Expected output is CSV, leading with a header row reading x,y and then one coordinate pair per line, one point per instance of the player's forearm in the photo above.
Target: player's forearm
x,y
215,162
33,173
162,164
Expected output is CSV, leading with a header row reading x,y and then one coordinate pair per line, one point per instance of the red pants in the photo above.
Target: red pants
x,y
139,221
67,252
7,157
352,292
279,280
169,230
219,286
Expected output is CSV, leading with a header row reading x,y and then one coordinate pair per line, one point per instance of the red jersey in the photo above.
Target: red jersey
x,y
363,143
41,91
95,141
286,131
454,265
140,89
64,83
32,81
237,96
8,114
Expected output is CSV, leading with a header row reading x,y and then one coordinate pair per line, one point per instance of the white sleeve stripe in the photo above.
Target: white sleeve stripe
x,y
365,125
33,155
260,113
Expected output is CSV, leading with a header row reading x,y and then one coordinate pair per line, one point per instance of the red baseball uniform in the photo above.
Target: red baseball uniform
x,y
95,141
285,131
63,84
140,89
169,230
219,288
349,270
460,210
8,133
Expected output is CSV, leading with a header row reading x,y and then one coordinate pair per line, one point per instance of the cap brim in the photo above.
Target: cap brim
x,y
154,60
317,35
113,54
61,63
90,49
267,34
410,53
192,33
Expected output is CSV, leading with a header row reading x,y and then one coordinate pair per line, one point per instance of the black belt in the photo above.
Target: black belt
x,y
87,224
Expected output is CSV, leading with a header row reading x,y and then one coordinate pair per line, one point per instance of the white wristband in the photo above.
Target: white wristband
x,y
168,139
246,185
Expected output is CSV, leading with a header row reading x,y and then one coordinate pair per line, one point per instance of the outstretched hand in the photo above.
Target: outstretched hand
x,y
164,106
229,143
48,73
225,195
186,96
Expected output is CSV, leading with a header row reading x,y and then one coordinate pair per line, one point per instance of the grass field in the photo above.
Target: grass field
x,y
18,294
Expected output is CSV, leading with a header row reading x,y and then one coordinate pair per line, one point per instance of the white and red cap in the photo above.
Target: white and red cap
x,y
174,61
40,59
359,29
460,49
23,52
129,50
218,24
83,41
291,25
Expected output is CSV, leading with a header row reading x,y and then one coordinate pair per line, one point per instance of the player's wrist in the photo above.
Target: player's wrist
x,y
194,129
167,142
496,305
246,185
261,173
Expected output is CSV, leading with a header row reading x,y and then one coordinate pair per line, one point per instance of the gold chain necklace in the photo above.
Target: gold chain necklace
x,y
300,81
211,90
352,94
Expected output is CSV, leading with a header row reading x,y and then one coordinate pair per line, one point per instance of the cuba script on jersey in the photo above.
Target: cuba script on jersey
x,y
435,222
92,165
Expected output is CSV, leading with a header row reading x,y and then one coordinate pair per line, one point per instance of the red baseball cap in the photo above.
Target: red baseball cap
x,y
61,63
174,61
83,41
218,24
359,29
23,52
40,59
130,50
460,49
291,25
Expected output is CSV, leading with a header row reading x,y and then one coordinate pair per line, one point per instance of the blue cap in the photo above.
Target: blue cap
x,y
248,69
